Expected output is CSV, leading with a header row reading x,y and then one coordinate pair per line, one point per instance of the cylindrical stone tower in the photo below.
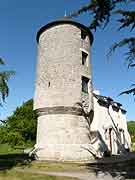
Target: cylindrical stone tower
x,y
63,87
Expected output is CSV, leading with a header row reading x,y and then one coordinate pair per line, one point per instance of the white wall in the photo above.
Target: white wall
x,y
105,118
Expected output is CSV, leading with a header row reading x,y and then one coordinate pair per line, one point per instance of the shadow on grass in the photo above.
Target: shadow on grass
x,y
7,161
115,167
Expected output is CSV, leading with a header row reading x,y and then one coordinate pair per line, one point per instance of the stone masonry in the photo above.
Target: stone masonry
x,y
61,133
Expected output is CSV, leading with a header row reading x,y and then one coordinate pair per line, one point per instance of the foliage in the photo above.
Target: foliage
x,y
7,149
131,129
4,77
101,12
20,128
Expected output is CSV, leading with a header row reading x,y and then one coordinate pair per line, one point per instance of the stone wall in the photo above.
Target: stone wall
x,y
61,133
59,68
62,138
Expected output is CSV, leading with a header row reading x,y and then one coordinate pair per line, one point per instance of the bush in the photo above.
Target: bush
x,y
20,127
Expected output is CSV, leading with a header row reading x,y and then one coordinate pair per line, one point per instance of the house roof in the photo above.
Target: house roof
x,y
106,101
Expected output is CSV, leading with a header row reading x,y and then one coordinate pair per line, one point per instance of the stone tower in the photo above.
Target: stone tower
x,y
63,86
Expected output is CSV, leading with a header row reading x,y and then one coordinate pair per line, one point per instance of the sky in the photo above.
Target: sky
x,y
19,23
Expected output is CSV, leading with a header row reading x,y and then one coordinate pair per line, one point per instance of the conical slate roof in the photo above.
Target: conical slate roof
x,y
64,20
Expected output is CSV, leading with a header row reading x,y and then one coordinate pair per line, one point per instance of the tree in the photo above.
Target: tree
x,y
20,128
131,129
4,77
101,12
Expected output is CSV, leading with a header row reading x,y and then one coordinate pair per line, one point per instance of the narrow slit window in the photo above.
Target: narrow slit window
x,y
83,34
85,82
84,58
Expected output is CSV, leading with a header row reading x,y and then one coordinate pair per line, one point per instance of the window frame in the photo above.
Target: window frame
x,y
84,58
85,84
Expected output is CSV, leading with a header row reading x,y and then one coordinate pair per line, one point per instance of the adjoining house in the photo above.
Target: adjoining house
x,y
109,127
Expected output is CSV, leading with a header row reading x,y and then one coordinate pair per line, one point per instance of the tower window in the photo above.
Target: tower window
x,y
83,34
84,58
85,82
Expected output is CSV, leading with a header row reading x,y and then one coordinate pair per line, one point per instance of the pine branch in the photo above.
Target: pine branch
x,y
130,55
4,90
83,9
128,18
3,121
4,77
1,61
101,11
7,74
130,91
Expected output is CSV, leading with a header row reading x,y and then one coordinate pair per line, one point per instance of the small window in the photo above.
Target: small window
x,y
85,82
84,58
83,35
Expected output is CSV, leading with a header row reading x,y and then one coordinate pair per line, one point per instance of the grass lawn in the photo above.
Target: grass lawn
x,y
57,166
11,158
13,175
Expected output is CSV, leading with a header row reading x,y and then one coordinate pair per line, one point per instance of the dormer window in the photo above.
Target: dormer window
x,y
85,82
84,58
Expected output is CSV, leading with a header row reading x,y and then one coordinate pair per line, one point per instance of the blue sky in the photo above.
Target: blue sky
x,y
19,23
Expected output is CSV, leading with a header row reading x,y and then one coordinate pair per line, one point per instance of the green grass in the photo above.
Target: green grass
x,y
13,175
57,166
11,158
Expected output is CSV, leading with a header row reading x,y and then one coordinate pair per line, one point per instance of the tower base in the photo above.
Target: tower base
x,y
63,137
